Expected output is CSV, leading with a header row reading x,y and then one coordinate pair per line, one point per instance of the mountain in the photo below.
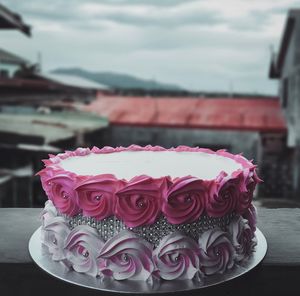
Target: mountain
x,y
117,80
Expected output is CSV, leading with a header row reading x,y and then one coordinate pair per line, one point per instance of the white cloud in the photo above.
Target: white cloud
x,y
198,44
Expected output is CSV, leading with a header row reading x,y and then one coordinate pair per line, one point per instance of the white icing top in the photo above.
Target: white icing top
x,y
128,164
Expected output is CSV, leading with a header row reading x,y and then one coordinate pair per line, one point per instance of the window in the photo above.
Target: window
x,y
4,73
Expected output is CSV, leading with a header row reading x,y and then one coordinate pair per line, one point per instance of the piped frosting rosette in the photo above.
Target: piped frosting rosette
x,y
175,205
127,256
141,200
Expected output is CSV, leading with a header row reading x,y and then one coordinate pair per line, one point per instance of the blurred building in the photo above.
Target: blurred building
x,y
285,66
37,116
10,20
255,127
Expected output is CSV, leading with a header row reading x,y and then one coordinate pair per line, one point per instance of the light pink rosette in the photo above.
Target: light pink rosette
x,y
61,192
243,238
53,235
48,212
223,195
251,215
246,195
216,252
126,256
139,202
177,257
96,195
184,201
82,247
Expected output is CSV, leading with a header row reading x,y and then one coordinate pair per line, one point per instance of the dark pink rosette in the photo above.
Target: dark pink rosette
x,y
61,192
184,201
177,257
139,202
53,235
251,215
223,195
96,195
126,256
82,247
46,174
216,252
246,194
243,238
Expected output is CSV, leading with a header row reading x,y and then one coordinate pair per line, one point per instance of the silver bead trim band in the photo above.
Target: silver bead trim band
x,y
109,227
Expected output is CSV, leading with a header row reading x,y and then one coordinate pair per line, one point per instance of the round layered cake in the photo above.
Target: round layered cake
x,y
144,213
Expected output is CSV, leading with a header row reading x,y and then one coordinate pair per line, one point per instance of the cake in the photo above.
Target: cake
x,y
144,213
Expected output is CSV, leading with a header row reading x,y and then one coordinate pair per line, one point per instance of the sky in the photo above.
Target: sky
x,y
203,45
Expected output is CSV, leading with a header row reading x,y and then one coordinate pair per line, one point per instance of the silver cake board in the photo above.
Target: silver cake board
x,y
43,259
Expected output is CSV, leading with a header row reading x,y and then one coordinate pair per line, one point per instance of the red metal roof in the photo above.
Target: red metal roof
x,y
255,114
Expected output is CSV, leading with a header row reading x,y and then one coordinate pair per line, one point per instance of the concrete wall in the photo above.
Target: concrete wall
x,y
291,73
234,141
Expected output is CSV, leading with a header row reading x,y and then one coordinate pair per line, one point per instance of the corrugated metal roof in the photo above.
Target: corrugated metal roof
x,y
11,20
75,81
7,57
214,113
51,127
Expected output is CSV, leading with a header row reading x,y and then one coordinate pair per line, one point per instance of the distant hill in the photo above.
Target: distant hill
x,y
117,80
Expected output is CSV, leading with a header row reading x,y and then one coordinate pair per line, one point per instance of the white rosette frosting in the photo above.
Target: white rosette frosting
x,y
243,238
126,256
216,252
53,235
82,247
176,257
48,212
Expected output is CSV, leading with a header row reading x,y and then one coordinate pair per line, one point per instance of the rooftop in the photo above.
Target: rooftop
x,y
73,80
262,115
12,20
10,58
51,127
277,61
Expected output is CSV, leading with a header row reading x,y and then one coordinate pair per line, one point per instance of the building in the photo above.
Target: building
x,y
12,21
10,64
28,136
255,127
37,117
285,66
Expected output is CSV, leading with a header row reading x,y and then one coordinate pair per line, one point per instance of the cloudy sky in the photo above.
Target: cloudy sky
x,y
212,45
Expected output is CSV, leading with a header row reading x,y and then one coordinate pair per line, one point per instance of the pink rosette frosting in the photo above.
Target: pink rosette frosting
x,y
185,200
246,195
243,238
53,235
126,256
61,192
216,252
139,202
177,257
46,174
96,196
223,195
251,215
82,247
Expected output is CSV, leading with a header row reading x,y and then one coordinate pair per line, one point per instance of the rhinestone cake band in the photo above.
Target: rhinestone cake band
x,y
109,227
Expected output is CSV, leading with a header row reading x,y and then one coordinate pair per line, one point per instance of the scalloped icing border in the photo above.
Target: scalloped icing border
x,y
54,160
